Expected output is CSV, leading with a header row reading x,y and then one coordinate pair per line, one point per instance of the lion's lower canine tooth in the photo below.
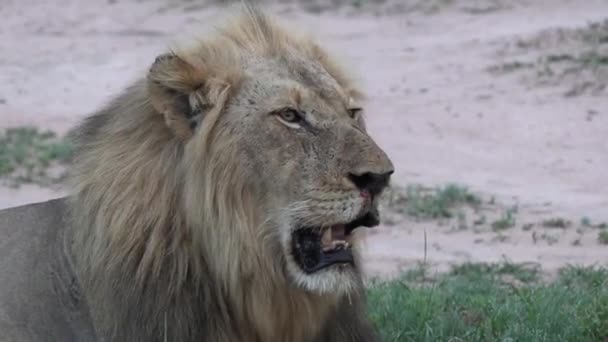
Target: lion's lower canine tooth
x,y
326,238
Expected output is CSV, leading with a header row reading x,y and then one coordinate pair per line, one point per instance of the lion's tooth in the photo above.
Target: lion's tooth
x,y
326,239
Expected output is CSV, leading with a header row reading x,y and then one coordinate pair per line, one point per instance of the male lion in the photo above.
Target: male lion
x,y
218,199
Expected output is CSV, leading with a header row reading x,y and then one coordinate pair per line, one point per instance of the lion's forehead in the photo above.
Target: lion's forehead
x,y
295,76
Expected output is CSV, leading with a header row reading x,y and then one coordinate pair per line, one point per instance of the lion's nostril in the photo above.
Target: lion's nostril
x,y
371,182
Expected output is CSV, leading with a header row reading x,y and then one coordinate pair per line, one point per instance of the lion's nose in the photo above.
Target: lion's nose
x,y
371,182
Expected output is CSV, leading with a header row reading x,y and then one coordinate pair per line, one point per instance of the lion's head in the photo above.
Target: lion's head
x,y
248,149
290,137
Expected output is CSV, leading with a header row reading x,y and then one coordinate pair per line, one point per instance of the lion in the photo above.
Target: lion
x,y
221,197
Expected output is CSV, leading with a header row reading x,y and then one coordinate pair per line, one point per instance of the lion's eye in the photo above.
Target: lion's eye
x,y
353,112
290,115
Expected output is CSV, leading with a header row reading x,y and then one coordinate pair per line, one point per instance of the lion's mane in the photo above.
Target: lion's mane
x,y
164,240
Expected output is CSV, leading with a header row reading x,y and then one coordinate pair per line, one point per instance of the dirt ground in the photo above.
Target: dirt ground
x,y
506,97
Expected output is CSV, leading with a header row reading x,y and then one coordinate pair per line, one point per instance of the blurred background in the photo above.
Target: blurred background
x,y
495,112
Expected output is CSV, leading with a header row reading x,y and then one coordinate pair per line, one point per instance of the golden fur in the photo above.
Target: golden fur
x,y
171,236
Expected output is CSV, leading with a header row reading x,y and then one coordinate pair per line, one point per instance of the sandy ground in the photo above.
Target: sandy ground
x,y
466,91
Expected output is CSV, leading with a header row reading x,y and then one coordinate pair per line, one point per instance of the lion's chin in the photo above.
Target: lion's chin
x,y
324,257
339,279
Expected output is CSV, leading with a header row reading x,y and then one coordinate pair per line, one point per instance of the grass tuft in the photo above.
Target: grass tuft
x,y
438,203
585,222
506,221
556,223
602,237
26,154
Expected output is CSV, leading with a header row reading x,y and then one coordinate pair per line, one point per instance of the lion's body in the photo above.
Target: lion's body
x,y
188,190
39,297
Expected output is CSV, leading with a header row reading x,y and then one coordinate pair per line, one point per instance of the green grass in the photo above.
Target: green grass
x,y
27,153
498,302
602,237
439,202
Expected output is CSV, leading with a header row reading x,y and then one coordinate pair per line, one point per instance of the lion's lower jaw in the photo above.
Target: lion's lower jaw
x,y
338,280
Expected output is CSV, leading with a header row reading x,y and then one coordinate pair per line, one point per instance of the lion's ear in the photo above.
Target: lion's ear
x,y
180,92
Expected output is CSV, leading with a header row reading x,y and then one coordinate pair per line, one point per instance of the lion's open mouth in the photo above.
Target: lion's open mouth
x,y
316,248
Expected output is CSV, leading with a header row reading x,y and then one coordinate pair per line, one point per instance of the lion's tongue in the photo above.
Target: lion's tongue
x,y
333,237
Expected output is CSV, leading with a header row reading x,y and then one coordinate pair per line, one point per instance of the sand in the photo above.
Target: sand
x,y
447,102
